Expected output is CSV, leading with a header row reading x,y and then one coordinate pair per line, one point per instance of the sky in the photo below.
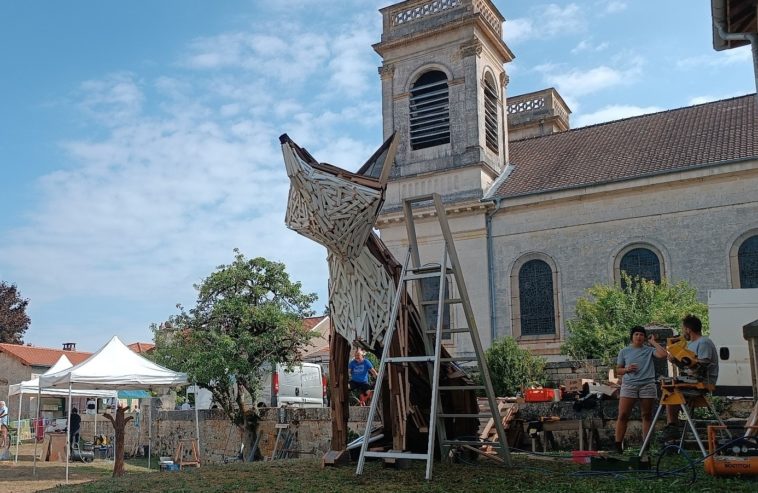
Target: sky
x,y
139,140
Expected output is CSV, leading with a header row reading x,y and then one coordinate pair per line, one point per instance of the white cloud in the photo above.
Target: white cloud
x,y
587,45
613,112
545,22
725,58
707,98
613,6
575,82
113,100
517,30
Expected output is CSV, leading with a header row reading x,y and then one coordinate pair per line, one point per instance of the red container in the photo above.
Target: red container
x,y
583,456
542,395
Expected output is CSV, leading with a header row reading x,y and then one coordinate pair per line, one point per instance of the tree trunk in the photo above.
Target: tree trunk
x,y
119,424
249,433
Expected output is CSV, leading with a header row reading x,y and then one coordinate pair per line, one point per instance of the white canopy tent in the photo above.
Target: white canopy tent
x,y
116,367
32,387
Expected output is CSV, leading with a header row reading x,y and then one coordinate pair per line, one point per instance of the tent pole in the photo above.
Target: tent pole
x,y
68,431
197,422
36,423
18,426
149,430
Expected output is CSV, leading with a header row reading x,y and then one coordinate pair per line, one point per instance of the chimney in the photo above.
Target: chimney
x,y
69,346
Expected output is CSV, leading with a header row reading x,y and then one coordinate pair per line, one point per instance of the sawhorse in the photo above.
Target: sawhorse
x,y
688,396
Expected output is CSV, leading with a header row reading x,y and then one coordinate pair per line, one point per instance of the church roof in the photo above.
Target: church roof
x,y
665,142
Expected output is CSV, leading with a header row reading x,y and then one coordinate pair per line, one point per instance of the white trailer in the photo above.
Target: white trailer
x,y
728,311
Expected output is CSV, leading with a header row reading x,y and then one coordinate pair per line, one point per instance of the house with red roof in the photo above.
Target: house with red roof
x,y
20,362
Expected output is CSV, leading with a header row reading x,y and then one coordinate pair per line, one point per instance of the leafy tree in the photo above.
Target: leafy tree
x,y
604,316
247,314
512,367
13,318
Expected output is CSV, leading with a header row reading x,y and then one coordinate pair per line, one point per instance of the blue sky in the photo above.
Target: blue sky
x,y
138,140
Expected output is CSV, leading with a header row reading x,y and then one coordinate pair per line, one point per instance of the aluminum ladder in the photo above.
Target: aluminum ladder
x,y
413,270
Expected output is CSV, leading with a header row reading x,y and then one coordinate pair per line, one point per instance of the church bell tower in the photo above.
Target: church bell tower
x,y
443,94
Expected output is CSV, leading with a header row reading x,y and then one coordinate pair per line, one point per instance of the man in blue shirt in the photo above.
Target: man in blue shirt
x,y
360,368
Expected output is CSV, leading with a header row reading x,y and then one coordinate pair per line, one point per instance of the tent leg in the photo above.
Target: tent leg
x,y
18,426
149,430
39,398
197,422
68,432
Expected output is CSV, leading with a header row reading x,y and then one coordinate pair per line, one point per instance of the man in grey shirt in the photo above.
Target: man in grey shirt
x,y
707,357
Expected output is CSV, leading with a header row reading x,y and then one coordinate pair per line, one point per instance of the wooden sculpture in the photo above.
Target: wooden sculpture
x,y
338,209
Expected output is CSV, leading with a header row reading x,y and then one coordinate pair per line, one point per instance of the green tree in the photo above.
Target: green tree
x,y
13,318
512,367
607,312
247,314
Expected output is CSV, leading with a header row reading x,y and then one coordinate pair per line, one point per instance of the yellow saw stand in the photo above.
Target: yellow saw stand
x,y
688,395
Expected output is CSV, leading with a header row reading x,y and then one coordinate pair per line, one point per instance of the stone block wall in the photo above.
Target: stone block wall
x,y
558,371
311,431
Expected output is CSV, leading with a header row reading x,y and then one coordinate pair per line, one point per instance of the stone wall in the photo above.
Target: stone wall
x,y
311,428
559,371
219,439
693,223
12,371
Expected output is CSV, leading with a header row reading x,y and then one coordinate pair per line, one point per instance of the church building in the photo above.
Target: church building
x,y
541,212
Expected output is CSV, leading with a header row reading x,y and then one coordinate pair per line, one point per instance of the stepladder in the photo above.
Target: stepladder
x,y
438,283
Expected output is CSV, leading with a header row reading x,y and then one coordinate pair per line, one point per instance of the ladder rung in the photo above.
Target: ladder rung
x,y
464,415
449,331
396,455
448,301
425,275
410,359
481,443
461,387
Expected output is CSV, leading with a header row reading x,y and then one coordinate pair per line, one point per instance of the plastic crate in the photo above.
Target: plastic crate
x,y
542,395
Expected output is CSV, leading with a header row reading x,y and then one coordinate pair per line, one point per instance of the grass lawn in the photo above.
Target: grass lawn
x,y
306,475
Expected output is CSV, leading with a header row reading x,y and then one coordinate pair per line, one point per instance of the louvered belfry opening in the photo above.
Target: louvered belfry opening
x,y
430,111
490,114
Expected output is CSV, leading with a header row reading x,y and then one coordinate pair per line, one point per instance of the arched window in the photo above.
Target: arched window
x,y
430,111
536,298
641,262
491,125
747,258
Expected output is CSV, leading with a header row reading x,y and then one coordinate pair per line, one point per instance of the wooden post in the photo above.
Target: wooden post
x,y
339,350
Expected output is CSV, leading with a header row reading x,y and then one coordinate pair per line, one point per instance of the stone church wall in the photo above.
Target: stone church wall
x,y
692,223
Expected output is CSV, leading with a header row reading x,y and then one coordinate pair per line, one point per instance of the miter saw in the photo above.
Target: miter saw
x,y
691,371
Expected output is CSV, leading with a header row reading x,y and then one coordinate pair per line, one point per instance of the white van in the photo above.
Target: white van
x,y
302,386
728,311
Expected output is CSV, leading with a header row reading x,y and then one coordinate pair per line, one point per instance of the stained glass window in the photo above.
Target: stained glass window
x,y
643,263
747,257
535,283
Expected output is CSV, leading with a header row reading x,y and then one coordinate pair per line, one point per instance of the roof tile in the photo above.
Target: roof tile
x,y
669,141
40,356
